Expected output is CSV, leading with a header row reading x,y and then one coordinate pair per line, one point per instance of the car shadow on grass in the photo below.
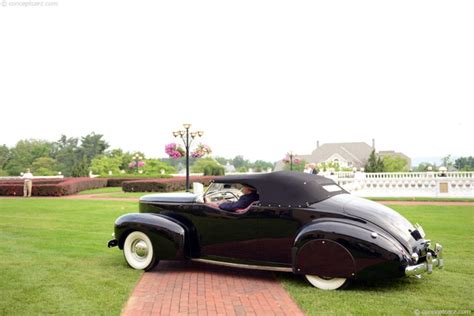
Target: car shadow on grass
x,y
375,285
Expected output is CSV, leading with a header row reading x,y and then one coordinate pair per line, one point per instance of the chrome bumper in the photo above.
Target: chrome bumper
x,y
429,264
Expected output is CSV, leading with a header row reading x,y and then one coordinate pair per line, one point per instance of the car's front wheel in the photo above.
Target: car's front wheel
x,y
323,283
138,251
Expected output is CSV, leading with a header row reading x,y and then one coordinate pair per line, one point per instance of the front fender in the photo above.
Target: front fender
x,y
166,234
345,248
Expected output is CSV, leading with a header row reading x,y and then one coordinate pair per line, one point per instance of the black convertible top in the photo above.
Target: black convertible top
x,y
286,188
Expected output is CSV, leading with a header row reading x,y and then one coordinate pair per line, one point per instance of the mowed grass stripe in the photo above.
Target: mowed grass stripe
x,y
54,258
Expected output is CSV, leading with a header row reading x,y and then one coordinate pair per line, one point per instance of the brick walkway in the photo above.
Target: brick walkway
x,y
190,288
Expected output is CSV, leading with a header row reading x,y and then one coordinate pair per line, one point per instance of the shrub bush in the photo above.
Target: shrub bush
x,y
209,167
162,185
52,187
214,171
117,181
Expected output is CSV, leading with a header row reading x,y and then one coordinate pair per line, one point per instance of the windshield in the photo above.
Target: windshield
x,y
222,192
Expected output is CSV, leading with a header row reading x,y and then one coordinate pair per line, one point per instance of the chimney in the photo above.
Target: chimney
x,y
373,143
317,144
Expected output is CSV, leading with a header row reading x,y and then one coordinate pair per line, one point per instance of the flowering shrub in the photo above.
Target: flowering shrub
x,y
133,164
201,151
296,161
174,150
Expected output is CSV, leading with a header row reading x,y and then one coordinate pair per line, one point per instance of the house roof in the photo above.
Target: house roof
x,y
356,152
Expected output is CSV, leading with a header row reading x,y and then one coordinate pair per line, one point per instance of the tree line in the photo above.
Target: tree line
x,y
78,156
71,156
398,164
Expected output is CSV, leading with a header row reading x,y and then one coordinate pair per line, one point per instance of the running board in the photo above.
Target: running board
x,y
244,266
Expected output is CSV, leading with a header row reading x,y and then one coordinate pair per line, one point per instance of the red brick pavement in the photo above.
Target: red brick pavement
x,y
191,288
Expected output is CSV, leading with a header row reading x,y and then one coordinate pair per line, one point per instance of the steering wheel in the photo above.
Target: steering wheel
x,y
231,193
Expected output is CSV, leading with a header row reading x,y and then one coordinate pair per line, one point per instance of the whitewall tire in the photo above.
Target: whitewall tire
x,y
138,251
327,283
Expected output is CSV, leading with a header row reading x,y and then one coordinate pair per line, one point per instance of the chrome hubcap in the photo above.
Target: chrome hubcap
x,y
140,249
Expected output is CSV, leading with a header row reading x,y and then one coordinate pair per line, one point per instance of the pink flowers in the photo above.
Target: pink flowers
x,y
133,164
288,158
201,151
174,150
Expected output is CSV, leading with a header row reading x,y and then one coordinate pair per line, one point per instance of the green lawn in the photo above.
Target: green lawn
x,y
115,192
102,190
54,258
447,289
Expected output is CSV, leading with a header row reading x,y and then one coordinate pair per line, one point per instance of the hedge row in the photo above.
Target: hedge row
x,y
163,185
117,182
35,181
66,186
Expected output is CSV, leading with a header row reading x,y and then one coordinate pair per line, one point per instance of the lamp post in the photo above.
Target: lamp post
x,y
184,134
137,158
291,155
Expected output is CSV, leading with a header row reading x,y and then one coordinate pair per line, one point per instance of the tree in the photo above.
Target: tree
x,y
4,156
154,166
101,165
66,153
260,165
208,166
239,162
374,164
424,166
92,145
24,153
81,168
223,161
464,163
44,166
447,162
394,163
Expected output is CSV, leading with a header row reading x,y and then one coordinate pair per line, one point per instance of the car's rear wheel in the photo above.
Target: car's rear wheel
x,y
324,283
138,251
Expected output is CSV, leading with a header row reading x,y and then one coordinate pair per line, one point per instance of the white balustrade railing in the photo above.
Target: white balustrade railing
x,y
403,175
452,185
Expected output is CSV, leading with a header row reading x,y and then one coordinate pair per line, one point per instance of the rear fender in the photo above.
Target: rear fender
x,y
343,248
167,235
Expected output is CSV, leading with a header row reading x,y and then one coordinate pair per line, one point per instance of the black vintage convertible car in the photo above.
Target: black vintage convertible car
x,y
302,223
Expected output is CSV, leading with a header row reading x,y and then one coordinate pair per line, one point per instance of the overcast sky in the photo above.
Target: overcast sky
x,y
260,78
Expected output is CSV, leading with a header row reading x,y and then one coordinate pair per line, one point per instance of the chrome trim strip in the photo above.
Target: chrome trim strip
x,y
244,266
